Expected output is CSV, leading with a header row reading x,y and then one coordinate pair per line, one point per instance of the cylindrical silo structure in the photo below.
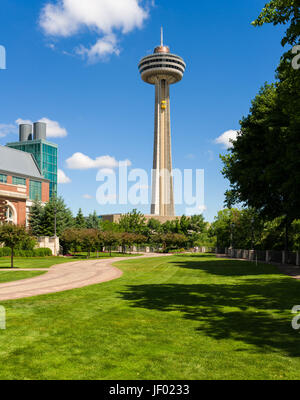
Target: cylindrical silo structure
x,y
39,130
25,132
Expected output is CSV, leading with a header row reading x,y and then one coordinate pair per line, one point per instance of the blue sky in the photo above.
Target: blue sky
x,y
78,68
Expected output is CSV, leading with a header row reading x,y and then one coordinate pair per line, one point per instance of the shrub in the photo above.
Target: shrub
x,y
43,252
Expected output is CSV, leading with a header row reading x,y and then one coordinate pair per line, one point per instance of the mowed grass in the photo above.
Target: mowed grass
x,y
177,317
17,275
47,262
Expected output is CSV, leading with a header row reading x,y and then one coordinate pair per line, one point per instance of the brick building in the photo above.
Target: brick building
x,y
21,183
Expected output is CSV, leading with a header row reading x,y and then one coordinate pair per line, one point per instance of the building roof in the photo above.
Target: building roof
x,y
19,163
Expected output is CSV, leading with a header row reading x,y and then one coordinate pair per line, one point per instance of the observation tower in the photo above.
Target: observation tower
x,y
162,69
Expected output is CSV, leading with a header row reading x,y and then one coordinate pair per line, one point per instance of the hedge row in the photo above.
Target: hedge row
x,y
43,252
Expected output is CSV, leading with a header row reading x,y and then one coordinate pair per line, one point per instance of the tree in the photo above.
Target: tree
x,y
42,219
89,240
154,226
12,236
282,12
92,221
169,241
134,222
36,218
110,239
80,220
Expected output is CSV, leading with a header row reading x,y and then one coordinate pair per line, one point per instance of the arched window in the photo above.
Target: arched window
x,y
11,214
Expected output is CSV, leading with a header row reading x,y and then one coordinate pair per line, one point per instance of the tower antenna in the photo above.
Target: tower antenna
x,y
161,36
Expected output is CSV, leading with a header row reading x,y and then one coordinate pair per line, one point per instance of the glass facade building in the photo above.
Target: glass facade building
x,y
18,181
35,190
45,154
3,178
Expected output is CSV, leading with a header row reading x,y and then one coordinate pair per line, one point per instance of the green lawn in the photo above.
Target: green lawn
x,y
47,262
178,317
17,275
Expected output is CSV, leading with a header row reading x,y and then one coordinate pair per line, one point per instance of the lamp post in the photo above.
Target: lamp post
x,y
55,249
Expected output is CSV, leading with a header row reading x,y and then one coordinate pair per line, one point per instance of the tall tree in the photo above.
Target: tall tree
x,y
80,220
56,207
92,221
36,218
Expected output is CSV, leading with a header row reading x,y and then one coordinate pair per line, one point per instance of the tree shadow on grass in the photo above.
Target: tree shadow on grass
x,y
227,267
256,314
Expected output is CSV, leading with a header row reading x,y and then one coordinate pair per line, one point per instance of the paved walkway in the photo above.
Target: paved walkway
x,y
63,277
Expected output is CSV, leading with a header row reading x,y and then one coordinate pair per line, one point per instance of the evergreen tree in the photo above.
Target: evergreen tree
x,y
92,221
80,220
36,218
64,217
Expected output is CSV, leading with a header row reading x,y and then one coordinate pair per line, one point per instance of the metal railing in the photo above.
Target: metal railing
x,y
281,257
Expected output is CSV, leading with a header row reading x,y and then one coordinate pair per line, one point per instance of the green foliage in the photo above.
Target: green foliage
x,y
43,252
92,221
36,218
263,166
133,222
80,221
237,228
282,12
13,236
42,219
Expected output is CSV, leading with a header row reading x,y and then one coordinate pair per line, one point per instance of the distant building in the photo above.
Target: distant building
x,y
116,218
21,182
44,152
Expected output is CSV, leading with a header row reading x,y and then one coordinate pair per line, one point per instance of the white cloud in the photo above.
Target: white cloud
x,y
101,49
62,177
20,121
226,138
82,161
69,17
6,129
54,130
87,196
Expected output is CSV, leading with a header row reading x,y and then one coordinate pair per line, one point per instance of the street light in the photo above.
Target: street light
x,y
55,249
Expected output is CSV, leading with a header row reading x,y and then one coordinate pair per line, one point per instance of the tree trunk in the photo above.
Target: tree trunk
x,y
286,244
110,251
12,258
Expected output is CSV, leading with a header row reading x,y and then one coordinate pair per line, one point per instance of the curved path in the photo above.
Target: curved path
x,y
63,277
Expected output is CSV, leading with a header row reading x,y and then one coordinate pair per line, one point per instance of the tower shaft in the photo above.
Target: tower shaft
x,y
162,186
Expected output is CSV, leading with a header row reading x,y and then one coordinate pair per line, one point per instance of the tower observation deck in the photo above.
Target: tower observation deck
x,y
162,69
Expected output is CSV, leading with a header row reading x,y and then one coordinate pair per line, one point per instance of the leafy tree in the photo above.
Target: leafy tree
x,y
110,239
126,239
80,220
282,12
12,236
89,240
134,222
154,226
70,240
108,226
